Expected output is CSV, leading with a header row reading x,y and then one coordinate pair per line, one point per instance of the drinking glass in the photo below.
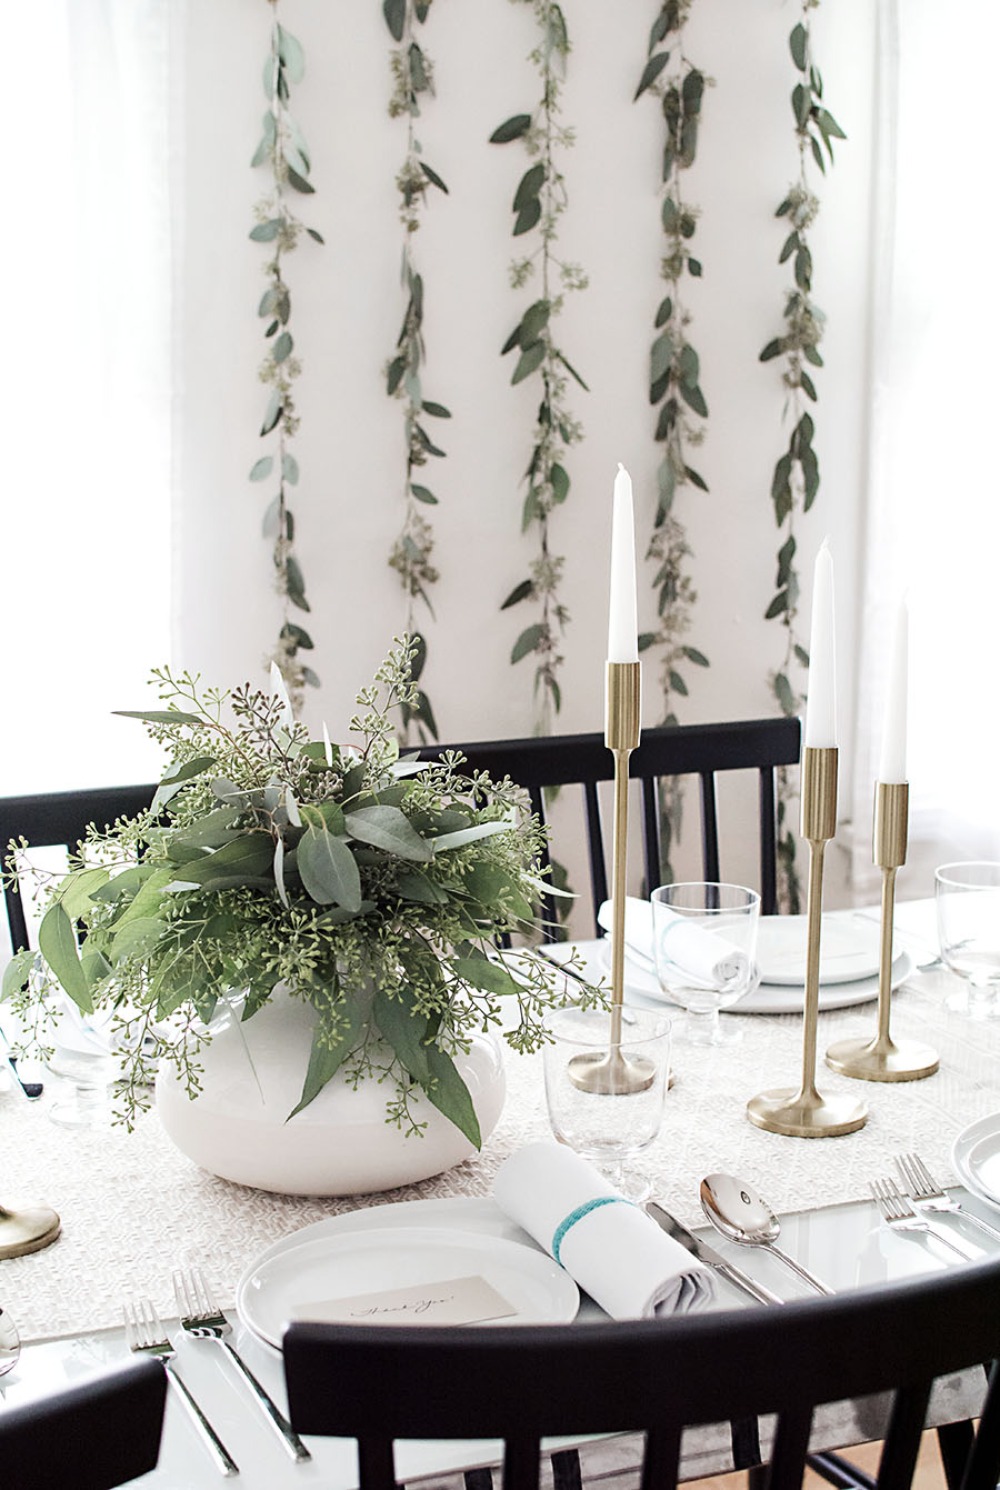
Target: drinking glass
x,y
705,948
610,1128
967,897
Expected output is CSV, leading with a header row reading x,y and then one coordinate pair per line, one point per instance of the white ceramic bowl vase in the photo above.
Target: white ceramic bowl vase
x,y
341,1144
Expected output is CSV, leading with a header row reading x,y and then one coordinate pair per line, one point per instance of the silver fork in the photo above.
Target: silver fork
x,y
146,1335
899,1215
927,1194
203,1320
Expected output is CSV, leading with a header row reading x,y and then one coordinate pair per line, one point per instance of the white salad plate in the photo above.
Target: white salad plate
x,y
975,1158
848,949
642,986
326,1262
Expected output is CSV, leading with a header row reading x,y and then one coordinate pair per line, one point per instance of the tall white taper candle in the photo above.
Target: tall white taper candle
x,y
623,642
821,708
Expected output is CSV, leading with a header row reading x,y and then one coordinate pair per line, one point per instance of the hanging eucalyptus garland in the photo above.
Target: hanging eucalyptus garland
x,y
539,202
796,478
283,151
674,378
413,76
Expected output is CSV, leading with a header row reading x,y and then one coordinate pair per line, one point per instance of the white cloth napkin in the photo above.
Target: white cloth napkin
x,y
608,1245
709,960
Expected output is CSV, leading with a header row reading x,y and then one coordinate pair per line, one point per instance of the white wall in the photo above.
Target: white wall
x,y
347,306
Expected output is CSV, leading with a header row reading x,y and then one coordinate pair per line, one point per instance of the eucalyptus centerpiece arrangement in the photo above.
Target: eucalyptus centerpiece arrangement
x,y
370,886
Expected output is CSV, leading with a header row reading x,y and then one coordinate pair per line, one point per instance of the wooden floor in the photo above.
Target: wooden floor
x,y
929,1475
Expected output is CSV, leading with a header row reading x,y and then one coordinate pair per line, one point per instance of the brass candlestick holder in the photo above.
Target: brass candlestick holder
x,y
610,1072
27,1230
804,1113
880,1058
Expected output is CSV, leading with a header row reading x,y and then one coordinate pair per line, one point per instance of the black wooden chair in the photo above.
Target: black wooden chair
x,y
60,819
96,1434
377,1384
702,750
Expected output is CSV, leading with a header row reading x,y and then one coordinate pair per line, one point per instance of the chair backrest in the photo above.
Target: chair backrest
x,y
60,819
377,1384
94,1435
701,750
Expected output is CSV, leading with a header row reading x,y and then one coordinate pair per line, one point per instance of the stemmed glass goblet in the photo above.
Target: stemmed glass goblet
x,y
705,949
610,1128
967,898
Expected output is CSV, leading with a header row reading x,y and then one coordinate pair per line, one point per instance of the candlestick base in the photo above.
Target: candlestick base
x,y
878,1060
611,1074
802,1114
27,1230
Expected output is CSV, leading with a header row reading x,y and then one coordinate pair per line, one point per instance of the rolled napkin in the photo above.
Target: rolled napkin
x,y
703,957
609,1246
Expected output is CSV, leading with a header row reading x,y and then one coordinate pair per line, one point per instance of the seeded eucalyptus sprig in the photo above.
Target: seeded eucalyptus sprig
x,y
674,376
372,887
539,202
411,556
796,478
284,152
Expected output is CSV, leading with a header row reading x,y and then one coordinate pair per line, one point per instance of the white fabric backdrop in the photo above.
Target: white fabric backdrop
x,y
933,521
87,321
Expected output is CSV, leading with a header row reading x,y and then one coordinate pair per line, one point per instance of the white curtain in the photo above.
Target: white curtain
x,y
933,522
87,322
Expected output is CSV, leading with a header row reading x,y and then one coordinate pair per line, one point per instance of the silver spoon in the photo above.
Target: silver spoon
x,y
736,1210
10,1343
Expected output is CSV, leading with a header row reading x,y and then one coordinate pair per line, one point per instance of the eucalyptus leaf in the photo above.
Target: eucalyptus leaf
x,y
272,414
799,43
291,53
388,828
135,938
57,944
412,885
248,855
528,641
328,869
462,836
527,217
571,370
15,974
520,592
530,359
651,72
511,129
159,716
262,468
529,186
329,1053
76,890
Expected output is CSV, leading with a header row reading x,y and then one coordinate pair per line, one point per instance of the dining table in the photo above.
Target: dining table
x,y
133,1209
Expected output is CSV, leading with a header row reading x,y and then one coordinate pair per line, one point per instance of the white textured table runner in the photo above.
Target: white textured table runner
x,y
132,1206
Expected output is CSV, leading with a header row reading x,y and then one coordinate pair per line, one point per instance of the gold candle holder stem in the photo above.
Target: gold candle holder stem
x,y
810,1021
805,1113
887,915
611,1072
880,1058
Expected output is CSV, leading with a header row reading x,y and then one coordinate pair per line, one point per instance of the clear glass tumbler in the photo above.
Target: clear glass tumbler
x,y
609,1128
967,898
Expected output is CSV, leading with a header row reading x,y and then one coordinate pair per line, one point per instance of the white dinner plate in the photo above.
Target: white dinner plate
x,y
339,1265
643,987
975,1157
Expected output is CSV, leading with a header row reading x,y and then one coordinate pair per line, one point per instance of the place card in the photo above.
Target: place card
x,y
469,1300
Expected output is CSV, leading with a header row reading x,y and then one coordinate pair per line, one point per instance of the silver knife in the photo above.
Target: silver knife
x,y
707,1253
